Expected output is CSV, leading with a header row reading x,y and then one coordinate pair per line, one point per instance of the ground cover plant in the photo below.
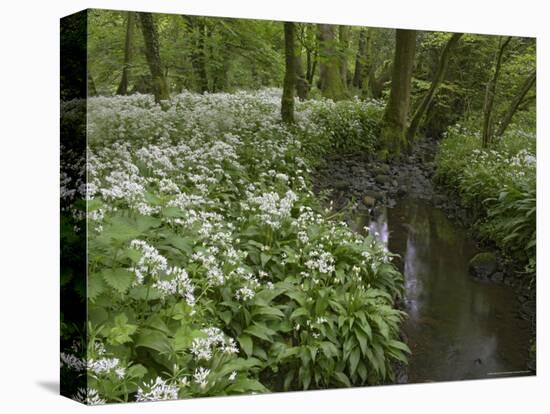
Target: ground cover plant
x,y
248,206
497,185
213,269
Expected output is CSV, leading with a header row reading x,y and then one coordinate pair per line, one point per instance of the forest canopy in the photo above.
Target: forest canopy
x,y
212,54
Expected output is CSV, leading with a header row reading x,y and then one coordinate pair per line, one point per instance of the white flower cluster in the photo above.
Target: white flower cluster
x,y
203,348
179,284
105,366
151,263
157,390
201,376
321,261
168,280
88,396
273,208
72,362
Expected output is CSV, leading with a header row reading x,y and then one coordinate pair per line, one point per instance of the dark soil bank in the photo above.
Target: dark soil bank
x,y
461,324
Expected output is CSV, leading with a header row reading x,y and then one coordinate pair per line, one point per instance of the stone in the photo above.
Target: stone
x,y
382,179
483,265
401,191
439,199
377,195
498,277
380,169
340,185
369,201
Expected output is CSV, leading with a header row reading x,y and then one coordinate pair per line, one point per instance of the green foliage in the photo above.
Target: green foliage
x,y
497,185
344,126
213,269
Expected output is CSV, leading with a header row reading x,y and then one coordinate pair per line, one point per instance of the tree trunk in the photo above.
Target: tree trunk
x,y
312,67
436,82
487,131
360,60
152,54
198,30
394,122
287,101
343,43
302,86
329,66
128,52
516,102
200,58
376,83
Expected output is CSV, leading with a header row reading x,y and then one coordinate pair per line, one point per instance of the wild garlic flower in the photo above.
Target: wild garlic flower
x,y
201,376
203,348
89,396
157,390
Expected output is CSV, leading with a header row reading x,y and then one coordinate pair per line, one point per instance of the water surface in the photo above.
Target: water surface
x,y
458,328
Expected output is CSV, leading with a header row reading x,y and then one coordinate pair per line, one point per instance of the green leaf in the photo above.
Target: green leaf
x,y
362,339
181,243
260,331
121,332
267,311
329,350
399,345
264,258
121,231
144,293
342,378
354,360
246,344
299,312
153,339
119,279
96,286
136,371
246,385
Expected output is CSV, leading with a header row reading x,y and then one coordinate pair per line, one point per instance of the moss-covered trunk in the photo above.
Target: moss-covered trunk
x,y
152,54
128,52
487,127
394,122
330,65
287,101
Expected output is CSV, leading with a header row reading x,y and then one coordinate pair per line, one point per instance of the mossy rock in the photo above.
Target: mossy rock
x,y
483,265
382,179
377,195
369,201
341,185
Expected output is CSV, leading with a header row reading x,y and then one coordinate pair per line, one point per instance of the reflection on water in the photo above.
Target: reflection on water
x,y
379,227
457,328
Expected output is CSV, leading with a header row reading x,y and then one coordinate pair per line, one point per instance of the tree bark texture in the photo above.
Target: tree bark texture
x,y
437,80
343,45
487,130
516,102
152,54
330,65
360,60
394,122
128,53
302,85
287,100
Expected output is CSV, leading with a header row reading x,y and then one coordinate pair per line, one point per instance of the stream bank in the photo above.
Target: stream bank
x,y
459,326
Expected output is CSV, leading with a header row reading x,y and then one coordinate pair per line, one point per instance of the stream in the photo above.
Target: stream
x,y
457,327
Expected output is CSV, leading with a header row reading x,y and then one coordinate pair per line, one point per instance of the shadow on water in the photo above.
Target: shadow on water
x,y
457,328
